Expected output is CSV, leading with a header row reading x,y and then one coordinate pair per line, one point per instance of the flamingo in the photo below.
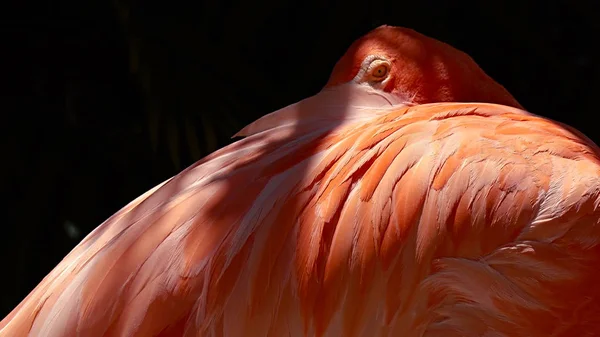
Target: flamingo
x,y
412,196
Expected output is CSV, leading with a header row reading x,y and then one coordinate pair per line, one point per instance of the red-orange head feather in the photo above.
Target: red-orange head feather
x,y
418,68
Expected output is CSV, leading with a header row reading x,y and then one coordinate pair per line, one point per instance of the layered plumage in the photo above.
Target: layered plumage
x,y
356,212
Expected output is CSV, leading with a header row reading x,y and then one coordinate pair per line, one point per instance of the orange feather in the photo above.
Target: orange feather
x,y
412,205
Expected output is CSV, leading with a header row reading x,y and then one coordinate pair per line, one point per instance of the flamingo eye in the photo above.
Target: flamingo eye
x,y
380,71
377,70
374,70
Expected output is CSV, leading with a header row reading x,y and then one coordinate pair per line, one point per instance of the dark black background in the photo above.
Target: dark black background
x,y
102,100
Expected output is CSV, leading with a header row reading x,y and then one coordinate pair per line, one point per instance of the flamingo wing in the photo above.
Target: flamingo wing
x,y
348,214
